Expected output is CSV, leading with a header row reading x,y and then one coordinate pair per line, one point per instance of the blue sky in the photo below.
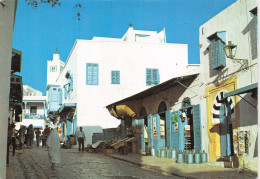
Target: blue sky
x,y
38,31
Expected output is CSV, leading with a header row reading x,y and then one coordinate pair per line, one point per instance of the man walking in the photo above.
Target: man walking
x,y
30,136
38,136
81,138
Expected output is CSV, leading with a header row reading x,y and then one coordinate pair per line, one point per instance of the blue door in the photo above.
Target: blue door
x,y
150,131
181,128
159,140
139,124
175,131
197,128
74,124
69,127
168,121
225,130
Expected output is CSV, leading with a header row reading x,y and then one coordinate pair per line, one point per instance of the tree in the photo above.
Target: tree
x,y
35,3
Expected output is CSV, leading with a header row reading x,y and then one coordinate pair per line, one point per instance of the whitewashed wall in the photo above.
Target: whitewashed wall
x,y
7,17
240,29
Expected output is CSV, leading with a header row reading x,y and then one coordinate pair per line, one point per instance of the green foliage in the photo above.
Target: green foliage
x,y
35,3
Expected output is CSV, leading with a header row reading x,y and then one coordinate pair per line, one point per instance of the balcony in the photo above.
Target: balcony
x,y
34,116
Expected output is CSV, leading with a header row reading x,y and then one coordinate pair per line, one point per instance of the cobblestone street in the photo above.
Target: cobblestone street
x,y
34,163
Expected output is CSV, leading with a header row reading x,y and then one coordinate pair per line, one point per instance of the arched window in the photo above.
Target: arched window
x,y
143,114
162,108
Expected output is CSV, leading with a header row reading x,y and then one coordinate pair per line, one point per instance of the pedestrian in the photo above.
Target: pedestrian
x,y
21,133
30,136
53,145
13,138
38,136
81,138
46,133
9,140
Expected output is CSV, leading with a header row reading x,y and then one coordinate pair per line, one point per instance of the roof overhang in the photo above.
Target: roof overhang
x,y
67,106
246,89
67,111
155,89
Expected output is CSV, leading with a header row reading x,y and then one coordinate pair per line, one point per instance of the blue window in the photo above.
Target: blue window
x,y
217,43
152,77
115,77
92,74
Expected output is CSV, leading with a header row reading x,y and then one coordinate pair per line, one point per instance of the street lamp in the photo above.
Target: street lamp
x,y
230,51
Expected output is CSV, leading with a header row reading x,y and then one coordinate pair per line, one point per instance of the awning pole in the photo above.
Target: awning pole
x,y
247,101
186,87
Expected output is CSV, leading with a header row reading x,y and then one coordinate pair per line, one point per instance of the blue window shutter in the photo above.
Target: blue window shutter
x,y
112,77
197,128
95,74
115,77
152,77
218,57
118,77
92,74
148,77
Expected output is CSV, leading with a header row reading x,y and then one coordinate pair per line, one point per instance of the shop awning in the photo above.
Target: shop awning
x,y
67,106
121,111
246,89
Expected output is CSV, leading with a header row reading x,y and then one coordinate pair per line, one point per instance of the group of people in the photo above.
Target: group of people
x,y
50,139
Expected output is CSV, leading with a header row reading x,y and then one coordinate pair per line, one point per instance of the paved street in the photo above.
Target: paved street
x,y
34,163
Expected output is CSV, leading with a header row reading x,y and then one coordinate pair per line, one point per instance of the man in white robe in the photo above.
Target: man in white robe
x,y
53,145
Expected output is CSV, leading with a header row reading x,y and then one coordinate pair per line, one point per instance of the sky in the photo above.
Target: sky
x,y
39,31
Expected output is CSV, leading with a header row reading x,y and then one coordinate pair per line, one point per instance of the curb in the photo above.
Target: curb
x,y
149,167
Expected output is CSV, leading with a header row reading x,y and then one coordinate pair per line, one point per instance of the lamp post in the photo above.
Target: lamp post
x,y
230,51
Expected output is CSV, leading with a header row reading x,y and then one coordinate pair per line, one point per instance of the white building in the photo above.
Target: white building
x,y
34,109
230,85
103,70
7,18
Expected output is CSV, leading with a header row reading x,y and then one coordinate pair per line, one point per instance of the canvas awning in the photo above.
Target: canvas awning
x,y
121,111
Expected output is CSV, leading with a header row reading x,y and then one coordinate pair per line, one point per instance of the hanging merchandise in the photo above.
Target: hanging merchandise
x,y
154,128
182,116
175,118
162,128
241,142
176,126
235,141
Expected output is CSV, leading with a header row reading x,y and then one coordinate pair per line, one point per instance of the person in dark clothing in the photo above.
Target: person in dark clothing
x,y
38,136
81,138
9,140
13,138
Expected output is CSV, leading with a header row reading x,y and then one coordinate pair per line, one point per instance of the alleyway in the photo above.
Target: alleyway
x,y
34,163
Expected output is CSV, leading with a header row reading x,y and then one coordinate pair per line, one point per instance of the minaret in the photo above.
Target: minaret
x,y
54,67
